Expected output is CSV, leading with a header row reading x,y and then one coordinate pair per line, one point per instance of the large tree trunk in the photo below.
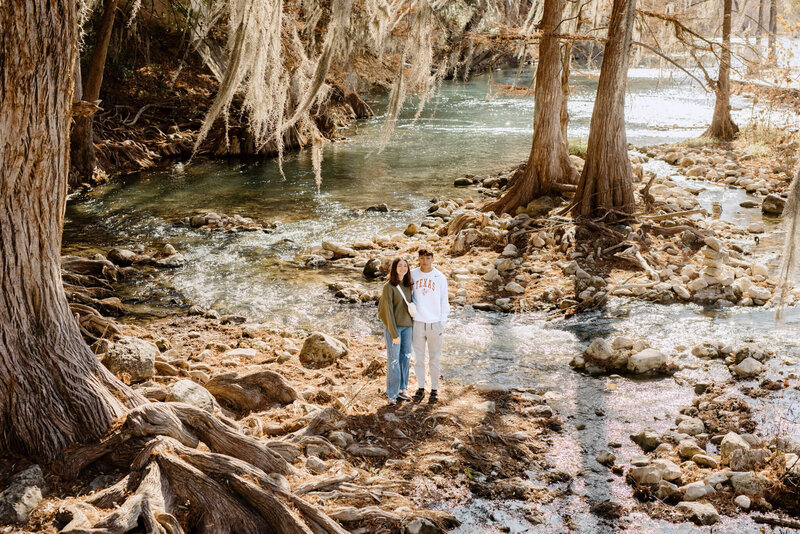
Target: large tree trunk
x,y
82,138
53,391
722,125
548,163
606,184
773,31
572,26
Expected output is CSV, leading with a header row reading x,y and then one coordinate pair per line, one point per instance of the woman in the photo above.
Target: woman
x,y
393,312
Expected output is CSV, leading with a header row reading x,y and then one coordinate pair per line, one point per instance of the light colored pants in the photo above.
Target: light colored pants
x,y
397,360
429,334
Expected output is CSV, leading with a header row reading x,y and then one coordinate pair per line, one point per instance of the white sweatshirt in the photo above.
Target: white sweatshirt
x,y
430,296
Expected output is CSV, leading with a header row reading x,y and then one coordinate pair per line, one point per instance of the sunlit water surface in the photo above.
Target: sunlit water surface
x,y
465,130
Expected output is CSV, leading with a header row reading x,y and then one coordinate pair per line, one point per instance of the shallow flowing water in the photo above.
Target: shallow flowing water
x,y
463,131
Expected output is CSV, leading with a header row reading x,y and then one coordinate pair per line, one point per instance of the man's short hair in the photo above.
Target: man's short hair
x,y
425,252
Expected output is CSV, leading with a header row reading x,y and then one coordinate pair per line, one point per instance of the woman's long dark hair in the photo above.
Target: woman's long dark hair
x,y
394,279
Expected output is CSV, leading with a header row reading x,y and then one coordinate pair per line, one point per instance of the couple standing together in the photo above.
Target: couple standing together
x,y
413,308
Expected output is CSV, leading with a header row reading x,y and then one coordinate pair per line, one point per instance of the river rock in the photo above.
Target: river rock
x,y
372,269
732,442
421,525
748,460
599,350
751,350
699,513
749,367
132,356
688,448
647,439
606,458
668,469
339,251
23,492
191,393
691,426
742,501
411,229
646,361
696,490
667,490
513,287
121,256
773,204
622,342
510,251
315,465
746,483
321,350
646,476
241,353
704,460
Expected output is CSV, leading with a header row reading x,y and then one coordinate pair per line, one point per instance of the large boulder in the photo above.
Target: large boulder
x,y
191,393
647,361
22,494
132,356
321,350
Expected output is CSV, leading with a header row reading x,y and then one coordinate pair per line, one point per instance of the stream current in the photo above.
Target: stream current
x,y
462,131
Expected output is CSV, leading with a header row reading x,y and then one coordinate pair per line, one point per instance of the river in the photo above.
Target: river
x,y
462,131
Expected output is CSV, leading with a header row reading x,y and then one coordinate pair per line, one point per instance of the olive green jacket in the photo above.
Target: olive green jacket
x,y
392,310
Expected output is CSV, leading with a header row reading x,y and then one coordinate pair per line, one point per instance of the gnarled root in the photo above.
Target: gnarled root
x,y
251,391
237,487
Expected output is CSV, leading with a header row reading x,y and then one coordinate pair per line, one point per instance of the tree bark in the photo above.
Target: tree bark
x,y
760,25
53,390
722,125
772,59
605,188
548,163
82,154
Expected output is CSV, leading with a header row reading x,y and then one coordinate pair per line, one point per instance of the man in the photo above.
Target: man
x,y
430,297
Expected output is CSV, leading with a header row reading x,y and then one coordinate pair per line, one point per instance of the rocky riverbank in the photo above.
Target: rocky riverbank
x,y
317,400
675,252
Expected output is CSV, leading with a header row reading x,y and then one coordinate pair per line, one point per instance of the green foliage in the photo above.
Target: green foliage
x,y
577,146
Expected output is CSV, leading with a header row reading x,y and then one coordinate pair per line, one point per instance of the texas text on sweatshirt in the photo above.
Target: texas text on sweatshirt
x,y
430,296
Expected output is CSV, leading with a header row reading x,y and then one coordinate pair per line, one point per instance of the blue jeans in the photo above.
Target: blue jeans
x,y
397,361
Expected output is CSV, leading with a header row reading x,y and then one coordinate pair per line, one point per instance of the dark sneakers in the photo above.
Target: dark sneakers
x,y
419,395
433,397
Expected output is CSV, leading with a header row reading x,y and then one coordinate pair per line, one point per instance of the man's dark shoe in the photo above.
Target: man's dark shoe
x,y
419,394
433,397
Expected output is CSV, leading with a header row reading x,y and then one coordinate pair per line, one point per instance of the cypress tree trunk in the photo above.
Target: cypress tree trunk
x,y
548,163
53,390
722,125
82,138
773,30
605,188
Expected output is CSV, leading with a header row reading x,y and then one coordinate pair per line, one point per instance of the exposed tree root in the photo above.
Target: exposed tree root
x,y
237,487
247,392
